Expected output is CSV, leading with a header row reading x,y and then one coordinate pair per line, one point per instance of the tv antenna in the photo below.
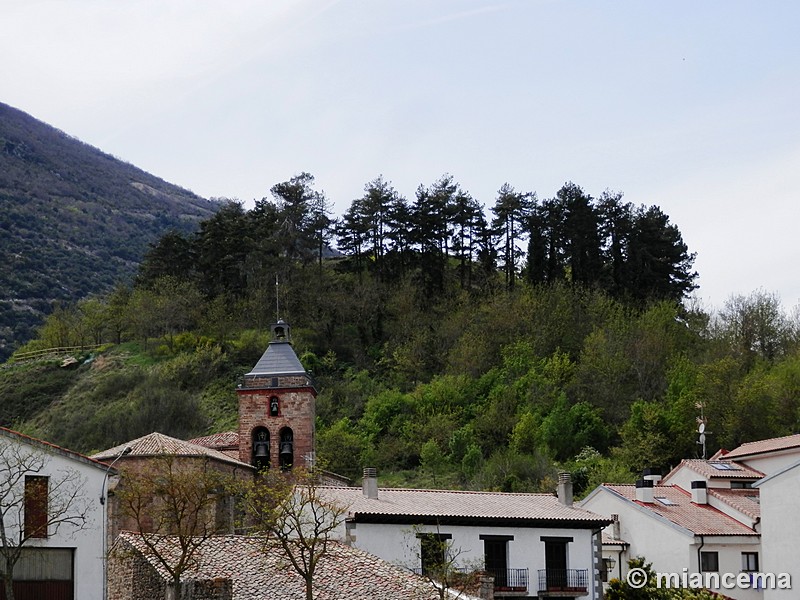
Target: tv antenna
x,y
701,429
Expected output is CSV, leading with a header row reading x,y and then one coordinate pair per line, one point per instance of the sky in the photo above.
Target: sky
x,y
692,106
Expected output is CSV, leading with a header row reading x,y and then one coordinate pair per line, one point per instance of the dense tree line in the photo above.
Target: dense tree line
x,y
442,236
445,354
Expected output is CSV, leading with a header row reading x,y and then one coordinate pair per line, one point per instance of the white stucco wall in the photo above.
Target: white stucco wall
x,y
398,544
670,548
780,530
773,462
87,542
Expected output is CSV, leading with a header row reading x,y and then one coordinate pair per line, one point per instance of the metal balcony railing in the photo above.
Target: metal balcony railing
x,y
505,580
509,580
563,580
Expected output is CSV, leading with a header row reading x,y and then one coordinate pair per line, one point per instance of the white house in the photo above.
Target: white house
x,y
535,545
768,456
51,511
680,530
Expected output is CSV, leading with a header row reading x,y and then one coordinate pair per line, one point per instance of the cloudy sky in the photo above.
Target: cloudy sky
x,y
689,105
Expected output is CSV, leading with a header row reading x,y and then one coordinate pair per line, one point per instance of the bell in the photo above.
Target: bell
x,y
286,449
261,450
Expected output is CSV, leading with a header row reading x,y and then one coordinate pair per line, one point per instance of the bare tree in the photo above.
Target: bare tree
x,y
289,508
35,502
177,497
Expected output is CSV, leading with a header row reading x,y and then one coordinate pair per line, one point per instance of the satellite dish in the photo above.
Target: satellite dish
x,y
702,428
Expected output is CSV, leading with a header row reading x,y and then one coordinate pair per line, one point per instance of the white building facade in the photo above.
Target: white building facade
x,y
51,509
534,545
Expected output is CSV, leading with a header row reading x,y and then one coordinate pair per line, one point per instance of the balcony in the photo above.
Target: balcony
x,y
509,581
563,583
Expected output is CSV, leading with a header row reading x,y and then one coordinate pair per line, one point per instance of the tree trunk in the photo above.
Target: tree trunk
x,y
8,584
309,588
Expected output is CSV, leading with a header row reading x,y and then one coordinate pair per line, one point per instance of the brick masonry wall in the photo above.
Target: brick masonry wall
x,y
297,411
131,577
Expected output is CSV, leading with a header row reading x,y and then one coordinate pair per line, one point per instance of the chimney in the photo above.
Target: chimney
x,y
615,529
699,492
644,491
565,488
369,484
653,474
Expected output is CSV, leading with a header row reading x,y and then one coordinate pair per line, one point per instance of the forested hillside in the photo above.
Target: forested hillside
x,y
73,221
453,346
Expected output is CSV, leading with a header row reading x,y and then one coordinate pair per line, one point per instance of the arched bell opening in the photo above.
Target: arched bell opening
x,y
286,449
260,458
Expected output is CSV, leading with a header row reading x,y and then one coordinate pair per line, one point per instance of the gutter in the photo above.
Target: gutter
x,y
699,562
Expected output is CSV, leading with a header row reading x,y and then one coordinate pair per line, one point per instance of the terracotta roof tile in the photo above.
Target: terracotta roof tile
x,y
762,446
91,460
155,444
700,519
259,573
218,441
720,469
454,504
746,501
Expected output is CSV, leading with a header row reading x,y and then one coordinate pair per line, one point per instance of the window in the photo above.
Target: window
x,y
741,485
723,466
274,407
709,562
750,562
433,551
495,557
36,488
665,501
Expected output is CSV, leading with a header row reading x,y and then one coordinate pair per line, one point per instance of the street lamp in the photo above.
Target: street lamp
x,y
104,517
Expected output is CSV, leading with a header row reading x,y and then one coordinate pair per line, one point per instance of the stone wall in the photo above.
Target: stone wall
x,y
296,411
131,577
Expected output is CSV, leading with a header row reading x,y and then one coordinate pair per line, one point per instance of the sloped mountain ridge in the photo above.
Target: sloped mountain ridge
x,y
74,221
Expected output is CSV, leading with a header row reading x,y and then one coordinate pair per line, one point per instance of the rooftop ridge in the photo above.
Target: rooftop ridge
x,y
59,449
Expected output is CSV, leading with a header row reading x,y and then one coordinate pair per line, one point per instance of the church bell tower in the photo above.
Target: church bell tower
x,y
276,408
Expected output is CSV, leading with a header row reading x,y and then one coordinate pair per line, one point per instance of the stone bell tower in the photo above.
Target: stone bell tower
x,y
276,408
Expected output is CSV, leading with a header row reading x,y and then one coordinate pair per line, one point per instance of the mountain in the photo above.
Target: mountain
x,y
74,221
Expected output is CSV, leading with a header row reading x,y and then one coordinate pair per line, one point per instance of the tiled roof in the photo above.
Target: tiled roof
x,y
745,501
762,446
719,469
700,519
261,573
609,540
155,444
226,439
409,505
278,359
26,439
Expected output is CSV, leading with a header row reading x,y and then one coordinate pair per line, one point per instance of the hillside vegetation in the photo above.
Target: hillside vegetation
x,y
73,221
444,355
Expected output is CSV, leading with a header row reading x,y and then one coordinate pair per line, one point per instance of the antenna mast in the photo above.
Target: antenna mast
x,y
277,301
701,428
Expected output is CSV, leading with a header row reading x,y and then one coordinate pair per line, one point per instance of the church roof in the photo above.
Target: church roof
x,y
278,359
155,444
